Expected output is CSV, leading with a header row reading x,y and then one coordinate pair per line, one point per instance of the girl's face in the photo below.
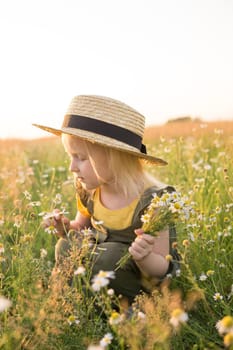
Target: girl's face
x,y
81,163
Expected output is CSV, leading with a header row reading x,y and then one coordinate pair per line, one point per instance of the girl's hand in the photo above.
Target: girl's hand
x,y
142,245
60,222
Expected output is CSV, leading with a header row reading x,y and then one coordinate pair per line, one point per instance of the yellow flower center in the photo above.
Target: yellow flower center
x,y
177,313
227,321
228,339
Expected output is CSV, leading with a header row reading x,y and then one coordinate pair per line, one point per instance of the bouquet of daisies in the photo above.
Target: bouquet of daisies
x,y
162,212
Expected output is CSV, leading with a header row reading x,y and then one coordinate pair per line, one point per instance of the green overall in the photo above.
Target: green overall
x,y
111,245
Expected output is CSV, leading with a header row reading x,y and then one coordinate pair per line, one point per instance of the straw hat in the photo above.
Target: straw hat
x,y
107,122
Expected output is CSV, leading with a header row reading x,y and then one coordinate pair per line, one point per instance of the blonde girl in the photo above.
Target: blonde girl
x,y
103,138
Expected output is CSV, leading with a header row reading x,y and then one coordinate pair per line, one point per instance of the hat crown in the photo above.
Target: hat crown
x,y
109,111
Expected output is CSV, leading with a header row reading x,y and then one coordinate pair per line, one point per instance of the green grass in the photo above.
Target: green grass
x,y
34,178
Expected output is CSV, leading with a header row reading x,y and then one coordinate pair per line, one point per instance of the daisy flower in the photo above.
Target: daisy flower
x,y
73,320
106,340
178,316
217,297
225,325
80,271
115,318
102,279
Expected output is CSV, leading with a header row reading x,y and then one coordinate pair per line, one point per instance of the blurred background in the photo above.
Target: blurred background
x,y
167,59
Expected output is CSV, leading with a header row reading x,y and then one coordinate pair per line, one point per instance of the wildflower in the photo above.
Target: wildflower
x,y
178,316
225,325
110,292
212,218
61,169
202,277
35,161
58,198
51,230
115,318
73,320
203,126
191,236
26,238
222,265
80,271
207,167
218,131
43,253
145,218
106,340
218,210
102,279
162,139
35,204
52,215
106,274
4,303
217,297
1,248
228,339
27,195
87,232
141,315
18,221
168,257
210,273
185,242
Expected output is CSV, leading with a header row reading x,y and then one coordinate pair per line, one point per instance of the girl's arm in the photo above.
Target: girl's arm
x,y
80,222
150,253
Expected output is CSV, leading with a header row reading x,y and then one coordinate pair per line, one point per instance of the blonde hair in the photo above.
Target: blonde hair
x,y
129,175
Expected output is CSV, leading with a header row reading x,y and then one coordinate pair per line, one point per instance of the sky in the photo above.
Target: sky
x,y
165,58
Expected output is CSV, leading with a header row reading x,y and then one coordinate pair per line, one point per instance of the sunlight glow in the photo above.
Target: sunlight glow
x,y
164,58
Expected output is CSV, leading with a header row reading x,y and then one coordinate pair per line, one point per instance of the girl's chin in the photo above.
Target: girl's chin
x,y
88,186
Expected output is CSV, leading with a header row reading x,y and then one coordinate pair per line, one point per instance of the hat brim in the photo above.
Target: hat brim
x,y
103,141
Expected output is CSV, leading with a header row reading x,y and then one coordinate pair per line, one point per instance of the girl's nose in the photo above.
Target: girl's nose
x,y
74,166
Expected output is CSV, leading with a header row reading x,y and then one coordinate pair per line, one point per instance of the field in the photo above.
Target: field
x,y
192,310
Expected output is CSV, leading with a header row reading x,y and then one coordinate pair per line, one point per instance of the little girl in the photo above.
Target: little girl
x,y
103,138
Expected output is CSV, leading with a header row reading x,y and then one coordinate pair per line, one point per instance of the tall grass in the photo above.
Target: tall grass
x,y
48,312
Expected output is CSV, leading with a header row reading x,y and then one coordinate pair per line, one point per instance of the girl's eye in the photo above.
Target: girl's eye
x,y
79,157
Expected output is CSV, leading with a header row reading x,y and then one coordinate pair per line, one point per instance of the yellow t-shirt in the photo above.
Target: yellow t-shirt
x,y
117,219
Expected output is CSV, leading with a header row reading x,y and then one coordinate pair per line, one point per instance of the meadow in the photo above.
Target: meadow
x,y
192,310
